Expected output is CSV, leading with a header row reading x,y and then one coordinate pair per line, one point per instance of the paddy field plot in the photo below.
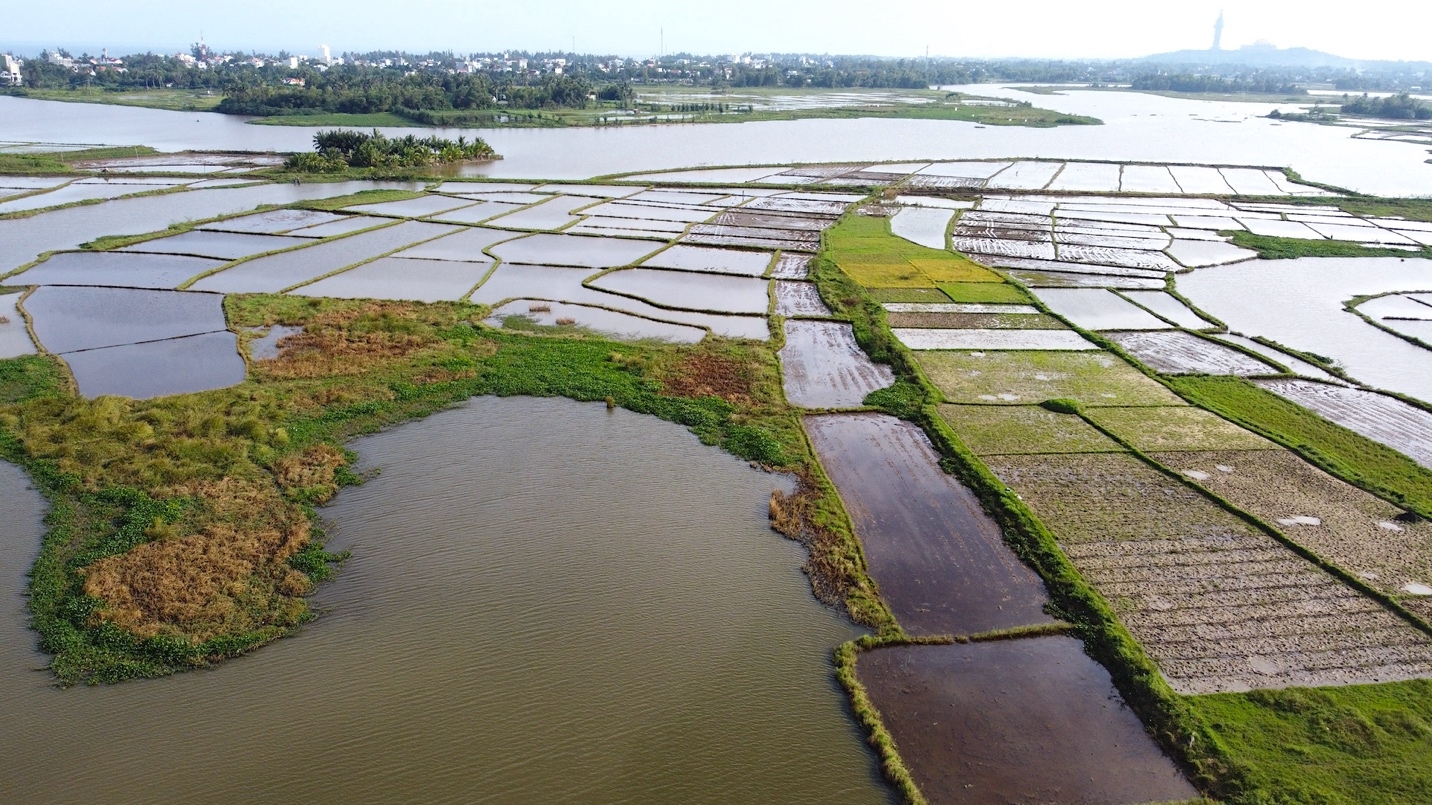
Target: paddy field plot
x,y
922,226
823,367
994,430
219,245
1025,176
554,213
1147,179
1200,254
1025,377
991,339
719,261
275,222
1217,604
72,194
14,339
342,225
1098,309
400,278
279,271
466,244
1062,279
117,269
689,290
1015,721
938,319
1298,366
181,365
1403,427
70,319
1175,352
1087,176
419,207
609,323
1168,428
939,559
1357,531
1197,180
573,250
799,299
1168,307
792,267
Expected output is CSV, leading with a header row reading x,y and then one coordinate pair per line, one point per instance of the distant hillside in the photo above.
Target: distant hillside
x,y
1266,55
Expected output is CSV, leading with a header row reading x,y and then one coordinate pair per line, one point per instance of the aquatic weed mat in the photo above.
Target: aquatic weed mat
x,y
1024,377
1176,428
1357,531
1218,604
993,430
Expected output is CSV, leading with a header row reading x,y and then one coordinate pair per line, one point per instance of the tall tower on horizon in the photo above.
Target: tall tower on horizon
x,y
1218,33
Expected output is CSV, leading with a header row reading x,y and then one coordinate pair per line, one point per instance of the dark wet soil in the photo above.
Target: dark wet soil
x,y
1016,721
939,559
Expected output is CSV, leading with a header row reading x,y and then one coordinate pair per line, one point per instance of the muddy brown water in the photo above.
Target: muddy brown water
x,y
939,559
547,602
1032,720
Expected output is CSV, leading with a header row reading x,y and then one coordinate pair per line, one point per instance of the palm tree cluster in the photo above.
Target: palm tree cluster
x,y
338,150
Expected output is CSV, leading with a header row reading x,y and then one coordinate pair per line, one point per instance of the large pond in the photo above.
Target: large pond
x,y
1137,127
547,602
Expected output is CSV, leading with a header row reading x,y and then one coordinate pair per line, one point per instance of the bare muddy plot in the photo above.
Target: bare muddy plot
x,y
1003,247
991,339
554,213
1378,417
773,220
277,272
14,338
939,559
1359,532
66,319
1062,267
400,278
1178,353
629,227
689,290
413,207
994,430
116,269
275,222
1115,239
1098,309
1092,378
926,227
799,299
1298,366
159,368
823,367
608,323
1130,258
720,261
1217,605
1165,305
1032,720
1168,428
1058,279
219,245
465,244
573,250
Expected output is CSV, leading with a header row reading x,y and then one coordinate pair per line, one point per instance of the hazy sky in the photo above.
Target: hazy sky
x,y
1371,29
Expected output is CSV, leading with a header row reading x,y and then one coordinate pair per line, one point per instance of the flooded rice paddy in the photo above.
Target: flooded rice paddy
x,y
1031,720
551,631
119,269
940,561
823,367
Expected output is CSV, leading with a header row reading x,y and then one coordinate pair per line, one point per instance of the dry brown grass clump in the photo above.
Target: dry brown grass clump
x,y
709,374
349,340
310,472
229,575
797,515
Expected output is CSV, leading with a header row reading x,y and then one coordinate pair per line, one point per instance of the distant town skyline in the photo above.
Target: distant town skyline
x,y
1379,29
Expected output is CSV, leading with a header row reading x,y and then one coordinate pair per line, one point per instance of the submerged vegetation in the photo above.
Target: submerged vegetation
x,y
60,162
337,151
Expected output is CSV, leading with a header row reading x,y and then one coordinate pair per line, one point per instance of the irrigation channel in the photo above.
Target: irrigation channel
x,y
548,602
1030,719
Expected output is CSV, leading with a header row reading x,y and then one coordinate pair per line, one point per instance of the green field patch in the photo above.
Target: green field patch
x,y
863,247
1025,377
1271,248
983,293
1355,745
1348,455
1181,428
994,430
908,295
1097,497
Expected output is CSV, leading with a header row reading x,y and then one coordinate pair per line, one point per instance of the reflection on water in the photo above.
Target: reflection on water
x,y
547,602
1137,127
